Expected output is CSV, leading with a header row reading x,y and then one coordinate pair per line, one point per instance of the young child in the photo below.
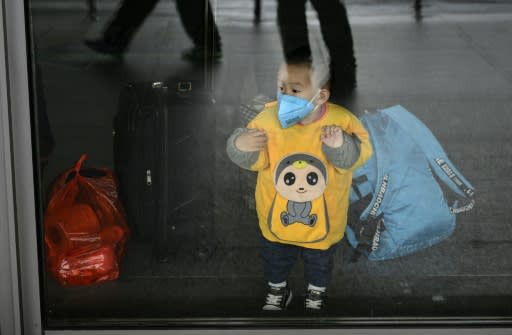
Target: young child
x,y
304,149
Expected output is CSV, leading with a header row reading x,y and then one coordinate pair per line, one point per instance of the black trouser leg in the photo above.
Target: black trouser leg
x,y
291,18
337,35
199,23
129,17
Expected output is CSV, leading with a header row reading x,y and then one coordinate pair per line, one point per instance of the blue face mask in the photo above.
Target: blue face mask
x,y
291,109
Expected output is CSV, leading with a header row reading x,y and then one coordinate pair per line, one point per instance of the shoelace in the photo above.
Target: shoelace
x,y
314,300
274,299
314,304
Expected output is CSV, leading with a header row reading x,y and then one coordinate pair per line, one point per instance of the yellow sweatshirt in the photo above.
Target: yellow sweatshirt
x,y
301,198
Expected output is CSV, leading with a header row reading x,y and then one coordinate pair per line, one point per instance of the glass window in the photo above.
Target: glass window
x,y
149,116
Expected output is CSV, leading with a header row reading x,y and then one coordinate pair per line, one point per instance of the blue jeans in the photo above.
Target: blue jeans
x,y
278,260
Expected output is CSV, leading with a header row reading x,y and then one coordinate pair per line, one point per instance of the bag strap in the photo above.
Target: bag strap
x,y
437,158
382,167
357,182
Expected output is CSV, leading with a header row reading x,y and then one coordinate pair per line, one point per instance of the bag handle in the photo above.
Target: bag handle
x,y
437,158
78,164
75,170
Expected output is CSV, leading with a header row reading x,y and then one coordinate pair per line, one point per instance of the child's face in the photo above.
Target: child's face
x,y
295,80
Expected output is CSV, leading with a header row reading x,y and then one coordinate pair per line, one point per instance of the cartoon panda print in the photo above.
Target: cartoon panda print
x,y
300,178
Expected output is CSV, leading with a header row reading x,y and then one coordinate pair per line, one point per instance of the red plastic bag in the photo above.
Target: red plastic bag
x,y
85,228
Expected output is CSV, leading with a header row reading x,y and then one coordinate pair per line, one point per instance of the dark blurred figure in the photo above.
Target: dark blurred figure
x,y
337,35
196,17
92,10
418,15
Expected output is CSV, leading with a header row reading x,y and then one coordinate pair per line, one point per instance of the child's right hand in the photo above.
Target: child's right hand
x,y
251,140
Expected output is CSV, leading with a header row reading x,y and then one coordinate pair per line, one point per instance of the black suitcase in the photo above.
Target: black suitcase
x,y
164,158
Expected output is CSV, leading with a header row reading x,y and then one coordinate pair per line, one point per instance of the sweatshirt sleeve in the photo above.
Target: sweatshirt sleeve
x,y
354,152
254,160
346,155
357,130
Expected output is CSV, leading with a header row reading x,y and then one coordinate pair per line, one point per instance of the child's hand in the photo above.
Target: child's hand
x,y
332,136
251,140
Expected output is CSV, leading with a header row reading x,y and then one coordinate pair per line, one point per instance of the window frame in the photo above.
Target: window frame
x,y
23,305
20,284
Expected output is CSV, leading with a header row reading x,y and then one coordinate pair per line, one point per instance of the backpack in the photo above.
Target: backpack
x,y
397,204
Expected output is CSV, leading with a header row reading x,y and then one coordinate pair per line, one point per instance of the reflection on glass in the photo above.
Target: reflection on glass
x,y
160,119
418,6
196,17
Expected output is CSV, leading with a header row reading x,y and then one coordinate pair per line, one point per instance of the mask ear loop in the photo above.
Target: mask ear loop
x,y
311,101
316,94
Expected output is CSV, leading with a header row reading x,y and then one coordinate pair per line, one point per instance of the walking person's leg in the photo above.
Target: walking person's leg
x,y
123,26
337,36
199,24
291,18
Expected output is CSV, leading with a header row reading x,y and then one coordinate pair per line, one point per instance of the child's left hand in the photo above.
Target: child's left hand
x,y
332,136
